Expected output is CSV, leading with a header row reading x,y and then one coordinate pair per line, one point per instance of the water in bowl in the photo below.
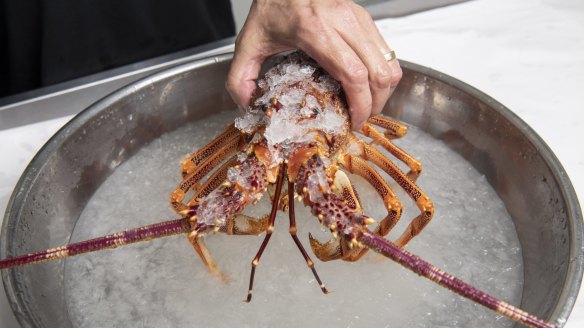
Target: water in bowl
x,y
163,283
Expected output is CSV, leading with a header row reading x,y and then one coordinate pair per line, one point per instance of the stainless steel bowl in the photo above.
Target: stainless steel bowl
x,y
67,171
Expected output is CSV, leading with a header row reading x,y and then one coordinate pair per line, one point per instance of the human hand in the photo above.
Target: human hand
x,y
339,34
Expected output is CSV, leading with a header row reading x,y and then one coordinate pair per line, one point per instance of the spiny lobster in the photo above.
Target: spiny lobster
x,y
296,130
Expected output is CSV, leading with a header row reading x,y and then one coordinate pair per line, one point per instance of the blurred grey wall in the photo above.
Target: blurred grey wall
x,y
377,8
240,9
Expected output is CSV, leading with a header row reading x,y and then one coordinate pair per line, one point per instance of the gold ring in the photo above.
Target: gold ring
x,y
390,56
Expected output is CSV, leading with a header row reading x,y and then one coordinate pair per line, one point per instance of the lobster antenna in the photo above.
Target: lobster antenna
x,y
158,230
427,270
374,242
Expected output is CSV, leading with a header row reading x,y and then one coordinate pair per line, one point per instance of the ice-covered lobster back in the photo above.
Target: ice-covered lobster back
x,y
296,131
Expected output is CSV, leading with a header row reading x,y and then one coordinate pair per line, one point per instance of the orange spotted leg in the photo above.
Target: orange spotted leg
x,y
393,129
189,164
191,181
213,182
422,201
384,141
293,231
239,225
206,258
269,231
394,207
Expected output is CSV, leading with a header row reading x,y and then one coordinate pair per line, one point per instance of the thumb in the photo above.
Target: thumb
x,y
252,47
244,70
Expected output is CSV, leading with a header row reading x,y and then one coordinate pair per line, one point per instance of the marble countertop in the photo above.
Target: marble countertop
x,y
527,54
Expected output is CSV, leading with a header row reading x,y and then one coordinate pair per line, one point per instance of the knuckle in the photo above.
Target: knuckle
x,y
396,76
340,3
347,12
382,79
356,73
359,11
309,14
310,24
230,83
344,7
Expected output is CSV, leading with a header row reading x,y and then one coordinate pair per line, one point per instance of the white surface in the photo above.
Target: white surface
x,y
527,54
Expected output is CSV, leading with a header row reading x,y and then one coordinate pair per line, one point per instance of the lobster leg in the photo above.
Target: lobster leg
x,y
393,129
381,139
394,207
284,199
191,181
245,225
329,251
392,204
293,231
206,258
345,189
189,164
422,201
269,231
214,181
239,225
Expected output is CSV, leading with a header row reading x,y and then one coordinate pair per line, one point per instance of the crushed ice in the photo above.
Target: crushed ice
x,y
216,207
316,180
164,284
288,106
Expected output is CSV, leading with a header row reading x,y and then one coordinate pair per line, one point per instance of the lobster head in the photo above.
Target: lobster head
x,y
297,106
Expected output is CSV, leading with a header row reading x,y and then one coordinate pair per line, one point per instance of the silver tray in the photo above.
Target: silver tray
x,y
72,165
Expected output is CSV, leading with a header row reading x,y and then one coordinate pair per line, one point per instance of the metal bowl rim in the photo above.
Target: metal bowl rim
x,y
575,269
573,280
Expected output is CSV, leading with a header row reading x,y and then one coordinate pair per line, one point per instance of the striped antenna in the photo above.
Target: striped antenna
x,y
374,242
427,270
114,240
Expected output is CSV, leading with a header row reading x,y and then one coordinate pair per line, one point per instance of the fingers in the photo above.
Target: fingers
x,y
356,59
341,61
244,71
340,36
251,50
371,54
372,30
383,76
